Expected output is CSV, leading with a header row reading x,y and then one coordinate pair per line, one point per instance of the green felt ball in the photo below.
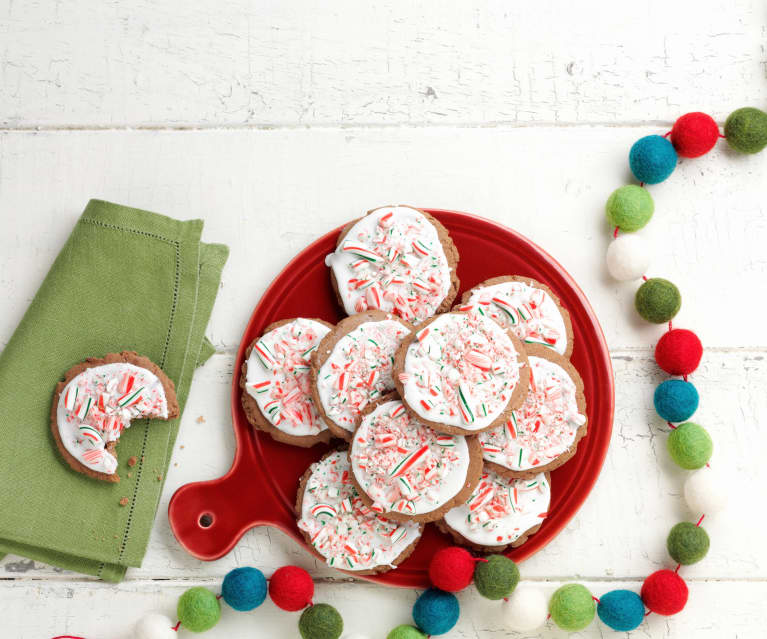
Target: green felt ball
x,y
320,621
198,609
746,130
572,607
629,208
687,543
690,445
406,632
658,300
497,577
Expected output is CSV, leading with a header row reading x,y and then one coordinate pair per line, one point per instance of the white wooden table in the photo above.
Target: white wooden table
x,y
276,121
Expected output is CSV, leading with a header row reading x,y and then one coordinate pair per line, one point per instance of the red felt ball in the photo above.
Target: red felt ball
x,y
451,569
291,588
664,592
694,134
678,352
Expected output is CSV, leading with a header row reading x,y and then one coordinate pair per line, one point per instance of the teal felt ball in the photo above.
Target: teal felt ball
x,y
690,446
572,607
675,400
687,543
497,577
629,208
621,610
436,612
406,632
198,609
320,621
658,300
652,159
244,588
746,130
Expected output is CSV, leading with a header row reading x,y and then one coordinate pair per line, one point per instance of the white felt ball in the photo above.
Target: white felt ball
x,y
526,609
628,257
704,492
154,626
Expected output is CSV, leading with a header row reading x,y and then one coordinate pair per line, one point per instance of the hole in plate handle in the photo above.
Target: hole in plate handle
x,y
206,520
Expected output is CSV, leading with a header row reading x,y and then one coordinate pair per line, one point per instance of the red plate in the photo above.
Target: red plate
x,y
260,488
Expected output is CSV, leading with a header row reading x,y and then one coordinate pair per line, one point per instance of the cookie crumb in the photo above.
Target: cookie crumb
x,y
159,477
182,445
200,420
124,501
130,475
132,461
176,464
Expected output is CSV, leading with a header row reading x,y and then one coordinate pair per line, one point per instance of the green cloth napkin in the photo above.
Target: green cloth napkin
x,y
125,280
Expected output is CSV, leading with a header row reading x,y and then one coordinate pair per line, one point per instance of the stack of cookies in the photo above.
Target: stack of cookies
x,y
447,414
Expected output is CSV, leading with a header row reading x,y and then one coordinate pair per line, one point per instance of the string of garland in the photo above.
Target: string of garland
x,y
572,607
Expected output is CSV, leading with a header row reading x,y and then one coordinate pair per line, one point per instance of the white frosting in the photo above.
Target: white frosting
x,y
460,370
405,467
278,376
96,405
359,370
529,311
500,510
392,260
342,528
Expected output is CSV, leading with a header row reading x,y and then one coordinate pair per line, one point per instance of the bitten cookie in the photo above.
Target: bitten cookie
x,y
544,433
276,382
341,529
525,306
397,259
500,512
98,399
405,470
352,367
461,373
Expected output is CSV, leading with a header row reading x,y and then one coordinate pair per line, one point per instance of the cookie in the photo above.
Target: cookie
x,y
544,433
461,373
353,366
98,399
276,382
500,512
341,529
405,470
397,259
525,306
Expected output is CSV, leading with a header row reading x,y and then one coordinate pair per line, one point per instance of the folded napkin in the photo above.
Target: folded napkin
x,y
125,280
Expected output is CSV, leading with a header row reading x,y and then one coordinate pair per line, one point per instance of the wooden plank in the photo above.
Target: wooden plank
x,y
238,63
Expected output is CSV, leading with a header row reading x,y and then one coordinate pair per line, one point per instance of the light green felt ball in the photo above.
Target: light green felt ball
x,y
629,208
497,577
687,543
690,445
746,130
406,632
658,300
320,621
198,609
572,607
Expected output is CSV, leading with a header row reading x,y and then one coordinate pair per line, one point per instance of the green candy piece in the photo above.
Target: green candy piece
x,y
629,208
406,632
746,130
572,607
658,300
687,543
320,621
198,609
690,446
497,577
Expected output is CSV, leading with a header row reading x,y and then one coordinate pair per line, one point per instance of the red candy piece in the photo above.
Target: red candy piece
x,y
694,134
664,592
291,588
451,569
678,352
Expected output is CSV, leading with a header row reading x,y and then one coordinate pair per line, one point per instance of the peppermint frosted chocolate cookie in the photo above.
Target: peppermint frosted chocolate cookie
x,y
397,259
544,433
341,529
276,382
98,399
405,470
525,306
500,512
353,366
461,373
